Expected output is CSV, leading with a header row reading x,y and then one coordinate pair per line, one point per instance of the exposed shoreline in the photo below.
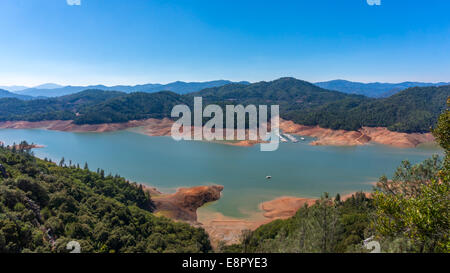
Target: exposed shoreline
x,y
162,127
183,206
363,136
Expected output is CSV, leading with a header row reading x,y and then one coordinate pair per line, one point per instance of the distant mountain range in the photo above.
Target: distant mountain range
x,y
375,89
53,90
13,88
412,110
7,94
17,88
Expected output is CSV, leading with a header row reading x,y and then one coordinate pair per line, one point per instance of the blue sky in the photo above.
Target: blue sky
x,y
131,42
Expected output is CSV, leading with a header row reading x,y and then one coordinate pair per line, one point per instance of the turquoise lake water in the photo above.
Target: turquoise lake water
x,y
297,169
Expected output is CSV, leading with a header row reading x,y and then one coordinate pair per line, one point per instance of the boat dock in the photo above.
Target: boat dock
x,y
291,138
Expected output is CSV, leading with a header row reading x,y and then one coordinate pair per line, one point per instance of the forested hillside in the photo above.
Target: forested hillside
x,y
411,110
60,108
43,206
290,93
130,107
330,225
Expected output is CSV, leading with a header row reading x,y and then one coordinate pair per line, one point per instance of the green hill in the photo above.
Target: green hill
x,y
134,106
412,110
43,206
289,93
60,108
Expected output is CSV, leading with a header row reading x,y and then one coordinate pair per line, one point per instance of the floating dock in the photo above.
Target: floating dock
x,y
291,138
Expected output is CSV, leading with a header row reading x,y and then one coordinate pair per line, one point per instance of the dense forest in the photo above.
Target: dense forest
x,y
60,108
134,106
411,110
44,205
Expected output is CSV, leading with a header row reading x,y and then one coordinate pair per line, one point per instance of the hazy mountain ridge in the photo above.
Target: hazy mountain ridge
x,y
177,87
60,108
13,88
8,94
374,89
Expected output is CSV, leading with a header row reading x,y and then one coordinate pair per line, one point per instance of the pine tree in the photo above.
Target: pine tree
x,y
61,163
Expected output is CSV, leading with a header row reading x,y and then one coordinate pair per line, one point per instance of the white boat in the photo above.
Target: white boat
x,y
268,177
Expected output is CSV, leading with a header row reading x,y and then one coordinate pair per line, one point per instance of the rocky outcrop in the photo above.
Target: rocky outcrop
x,y
183,204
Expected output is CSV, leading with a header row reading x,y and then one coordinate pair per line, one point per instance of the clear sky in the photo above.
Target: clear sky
x,y
140,41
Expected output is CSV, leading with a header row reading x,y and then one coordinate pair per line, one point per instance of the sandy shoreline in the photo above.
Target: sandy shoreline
x,y
183,205
162,127
229,230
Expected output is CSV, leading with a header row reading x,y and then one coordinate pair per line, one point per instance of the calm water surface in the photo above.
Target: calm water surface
x,y
297,169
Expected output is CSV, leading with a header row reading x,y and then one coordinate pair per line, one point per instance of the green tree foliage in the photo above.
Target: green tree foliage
x,y
413,209
44,206
419,217
327,226
133,106
60,108
412,110
442,134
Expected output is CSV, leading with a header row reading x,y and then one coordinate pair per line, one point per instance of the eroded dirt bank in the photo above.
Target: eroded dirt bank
x,y
229,230
183,204
162,127
153,127
363,136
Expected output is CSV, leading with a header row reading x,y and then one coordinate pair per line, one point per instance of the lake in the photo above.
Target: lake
x,y
297,169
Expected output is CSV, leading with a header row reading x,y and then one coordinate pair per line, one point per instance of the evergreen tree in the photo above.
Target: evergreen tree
x,y
61,163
